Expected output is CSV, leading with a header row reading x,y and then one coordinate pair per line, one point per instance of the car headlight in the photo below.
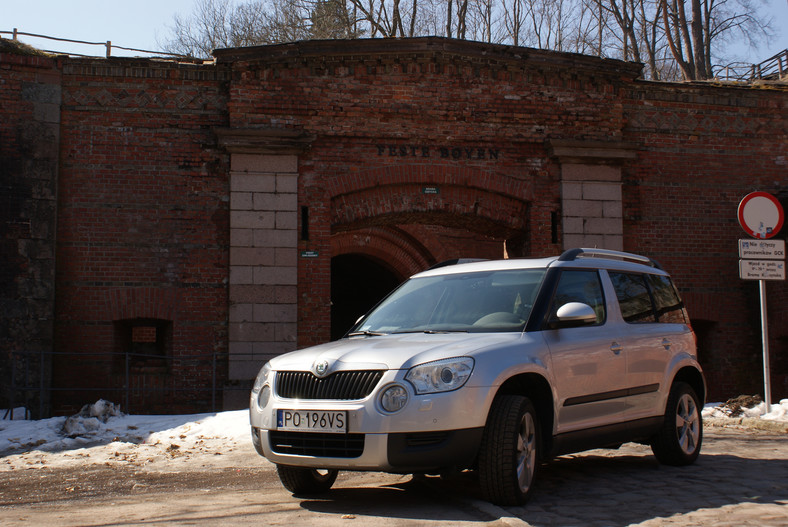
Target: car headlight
x,y
440,376
262,377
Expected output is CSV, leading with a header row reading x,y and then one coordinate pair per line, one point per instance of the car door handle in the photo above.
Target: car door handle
x,y
666,344
616,348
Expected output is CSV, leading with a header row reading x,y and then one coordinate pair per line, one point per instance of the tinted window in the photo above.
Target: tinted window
x,y
669,306
583,287
633,297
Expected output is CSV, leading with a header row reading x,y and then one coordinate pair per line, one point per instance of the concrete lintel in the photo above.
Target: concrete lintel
x,y
263,140
573,151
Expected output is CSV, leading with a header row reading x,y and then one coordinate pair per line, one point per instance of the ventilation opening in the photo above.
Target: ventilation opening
x,y
145,345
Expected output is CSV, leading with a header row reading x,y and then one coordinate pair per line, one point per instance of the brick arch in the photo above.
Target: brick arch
x,y
392,247
142,302
433,175
452,205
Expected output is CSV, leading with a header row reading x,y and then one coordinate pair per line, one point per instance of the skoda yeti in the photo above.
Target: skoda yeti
x,y
490,366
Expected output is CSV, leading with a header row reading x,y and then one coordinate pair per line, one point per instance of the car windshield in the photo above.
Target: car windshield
x,y
466,302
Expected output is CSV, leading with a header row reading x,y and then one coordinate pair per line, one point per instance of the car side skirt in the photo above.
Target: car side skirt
x,y
610,436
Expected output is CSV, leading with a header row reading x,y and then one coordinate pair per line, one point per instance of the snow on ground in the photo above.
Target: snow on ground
x,y
166,441
102,434
778,413
51,435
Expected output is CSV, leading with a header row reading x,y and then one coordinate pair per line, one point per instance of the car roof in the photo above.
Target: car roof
x,y
575,258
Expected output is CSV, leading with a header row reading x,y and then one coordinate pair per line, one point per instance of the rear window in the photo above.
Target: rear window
x,y
647,298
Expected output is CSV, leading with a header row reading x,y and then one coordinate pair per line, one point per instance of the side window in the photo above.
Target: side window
x,y
670,309
633,297
580,286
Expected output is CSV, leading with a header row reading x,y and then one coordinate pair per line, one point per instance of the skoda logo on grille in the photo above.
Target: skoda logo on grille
x,y
321,368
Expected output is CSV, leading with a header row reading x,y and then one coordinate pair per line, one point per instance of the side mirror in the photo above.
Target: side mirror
x,y
573,314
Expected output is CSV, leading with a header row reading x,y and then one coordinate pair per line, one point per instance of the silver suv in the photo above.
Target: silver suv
x,y
493,366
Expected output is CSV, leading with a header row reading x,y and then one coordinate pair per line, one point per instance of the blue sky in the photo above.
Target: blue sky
x,y
143,24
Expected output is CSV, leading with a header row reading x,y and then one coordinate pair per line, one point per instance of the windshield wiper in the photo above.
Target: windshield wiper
x,y
366,334
432,331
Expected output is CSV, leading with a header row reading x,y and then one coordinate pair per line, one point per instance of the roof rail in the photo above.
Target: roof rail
x,y
573,254
456,261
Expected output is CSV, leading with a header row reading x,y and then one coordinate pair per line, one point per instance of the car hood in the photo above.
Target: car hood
x,y
391,351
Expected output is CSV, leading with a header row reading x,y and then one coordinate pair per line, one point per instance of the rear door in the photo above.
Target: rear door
x,y
655,329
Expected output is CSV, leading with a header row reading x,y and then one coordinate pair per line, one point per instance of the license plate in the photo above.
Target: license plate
x,y
312,421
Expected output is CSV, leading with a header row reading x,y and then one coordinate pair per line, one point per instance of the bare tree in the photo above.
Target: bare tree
x,y
514,20
204,31
669,36
481,15
331,19
693,40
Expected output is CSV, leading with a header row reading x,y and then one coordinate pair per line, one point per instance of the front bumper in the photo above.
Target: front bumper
x,y
397,452
432,432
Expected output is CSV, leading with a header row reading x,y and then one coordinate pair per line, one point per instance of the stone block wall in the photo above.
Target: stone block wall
x,y
30,95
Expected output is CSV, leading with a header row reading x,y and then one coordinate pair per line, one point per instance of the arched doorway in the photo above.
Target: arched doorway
x,y
357,284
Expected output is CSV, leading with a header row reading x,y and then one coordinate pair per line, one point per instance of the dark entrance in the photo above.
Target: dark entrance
x,y
357,284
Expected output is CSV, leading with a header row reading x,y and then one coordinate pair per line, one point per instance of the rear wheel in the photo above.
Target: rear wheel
x,y
510,451
678,441
299,480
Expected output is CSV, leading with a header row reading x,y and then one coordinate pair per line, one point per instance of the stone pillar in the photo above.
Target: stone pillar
x,y
263,249
591,199
263,262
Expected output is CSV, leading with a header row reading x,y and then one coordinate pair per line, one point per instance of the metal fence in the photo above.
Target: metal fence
x,y
43,381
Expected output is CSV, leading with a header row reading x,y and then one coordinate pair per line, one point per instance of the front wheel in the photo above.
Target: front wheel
x,y
300,480
678,441
510,451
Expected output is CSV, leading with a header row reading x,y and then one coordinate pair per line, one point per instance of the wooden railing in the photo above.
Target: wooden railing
x,y
108,46
773,68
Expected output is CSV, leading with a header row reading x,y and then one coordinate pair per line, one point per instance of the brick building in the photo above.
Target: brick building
x,y
169,227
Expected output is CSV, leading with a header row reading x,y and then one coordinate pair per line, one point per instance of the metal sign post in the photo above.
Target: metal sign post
x,y
761,216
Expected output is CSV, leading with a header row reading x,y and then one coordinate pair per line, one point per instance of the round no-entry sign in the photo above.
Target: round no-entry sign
x,y
761,215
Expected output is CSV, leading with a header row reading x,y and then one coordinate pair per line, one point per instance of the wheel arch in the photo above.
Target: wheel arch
x,y
537,389
694,378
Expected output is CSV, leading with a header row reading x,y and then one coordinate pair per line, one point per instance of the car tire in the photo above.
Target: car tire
x,y
679,440
299,480
510,451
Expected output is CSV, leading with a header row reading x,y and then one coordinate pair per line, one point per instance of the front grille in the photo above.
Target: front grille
x,y
317,444
342,385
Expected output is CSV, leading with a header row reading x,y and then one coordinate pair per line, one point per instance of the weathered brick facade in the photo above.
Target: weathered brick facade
x,y
30,91
203,205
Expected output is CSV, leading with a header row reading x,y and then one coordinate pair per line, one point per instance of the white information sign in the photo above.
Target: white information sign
x,y
762,269
762,249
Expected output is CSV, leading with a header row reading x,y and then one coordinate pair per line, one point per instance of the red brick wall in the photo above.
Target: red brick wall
x,y
419,151
142,227
415,137
703,148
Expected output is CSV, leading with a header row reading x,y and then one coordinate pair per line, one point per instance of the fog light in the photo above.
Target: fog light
x,y
394,398
265,395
